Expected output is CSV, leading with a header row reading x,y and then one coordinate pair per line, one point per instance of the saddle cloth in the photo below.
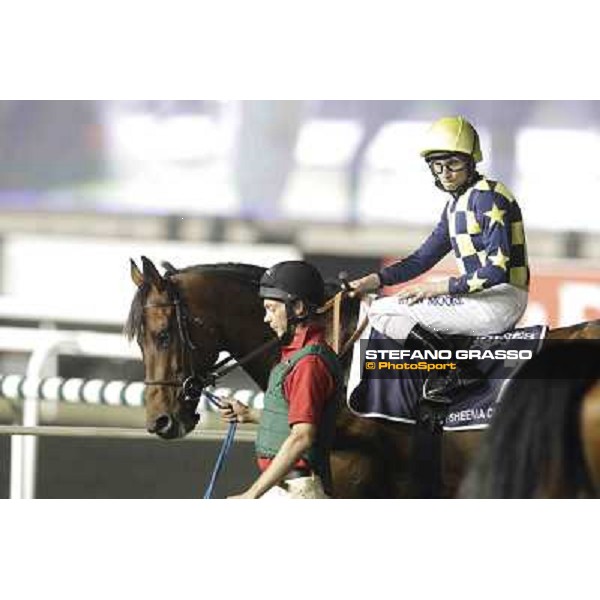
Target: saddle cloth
x,y
396,396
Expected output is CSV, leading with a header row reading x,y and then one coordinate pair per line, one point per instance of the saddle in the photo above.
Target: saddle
x,y
395,393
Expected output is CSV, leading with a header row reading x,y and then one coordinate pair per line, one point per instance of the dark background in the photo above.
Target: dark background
x,y
114,468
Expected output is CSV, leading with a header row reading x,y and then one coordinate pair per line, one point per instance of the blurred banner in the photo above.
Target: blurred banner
x,y
48,144
564,293
283,161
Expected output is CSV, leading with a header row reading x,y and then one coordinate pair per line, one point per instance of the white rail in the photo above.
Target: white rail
x,y
201,435
100,391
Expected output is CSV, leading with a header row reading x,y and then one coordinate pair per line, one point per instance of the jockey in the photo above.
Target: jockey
x,y
482,224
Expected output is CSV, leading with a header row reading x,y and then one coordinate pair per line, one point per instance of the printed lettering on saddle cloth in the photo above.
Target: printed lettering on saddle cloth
x,y
391,385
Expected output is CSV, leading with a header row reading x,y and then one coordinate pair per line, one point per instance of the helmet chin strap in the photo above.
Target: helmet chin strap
x,y
292,321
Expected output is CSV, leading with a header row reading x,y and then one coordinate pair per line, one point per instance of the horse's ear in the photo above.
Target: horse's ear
x,y
136,274
168,267
151,274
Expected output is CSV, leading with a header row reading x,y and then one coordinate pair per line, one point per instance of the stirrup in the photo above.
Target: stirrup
x,y
448,386
438,396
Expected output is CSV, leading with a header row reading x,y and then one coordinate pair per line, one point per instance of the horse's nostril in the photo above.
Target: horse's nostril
x,y
162,424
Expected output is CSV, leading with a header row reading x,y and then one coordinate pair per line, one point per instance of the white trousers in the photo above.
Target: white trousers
x,y
491,311
301,488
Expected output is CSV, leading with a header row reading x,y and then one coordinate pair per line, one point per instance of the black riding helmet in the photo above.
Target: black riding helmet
x,y
293,280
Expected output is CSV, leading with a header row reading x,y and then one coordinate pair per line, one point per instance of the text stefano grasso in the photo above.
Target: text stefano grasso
x,y
472,354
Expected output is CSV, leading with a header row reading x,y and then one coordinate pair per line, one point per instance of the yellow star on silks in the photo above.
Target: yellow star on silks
x,y
499,260
475,284
495,215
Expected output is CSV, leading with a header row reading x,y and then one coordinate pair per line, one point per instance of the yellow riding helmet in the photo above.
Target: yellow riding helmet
x,y
453,134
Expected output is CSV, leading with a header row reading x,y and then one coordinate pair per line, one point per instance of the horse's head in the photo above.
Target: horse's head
x,y
178,347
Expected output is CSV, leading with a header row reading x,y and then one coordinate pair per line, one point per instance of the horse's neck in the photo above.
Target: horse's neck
x,y
258,368
243,331
244,334
586,330
236,311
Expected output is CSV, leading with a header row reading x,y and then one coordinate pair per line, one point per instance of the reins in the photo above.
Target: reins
x,y
335,304
225,447
210,379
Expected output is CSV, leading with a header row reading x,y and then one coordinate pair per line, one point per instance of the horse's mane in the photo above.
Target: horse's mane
x,y
244,273
533,446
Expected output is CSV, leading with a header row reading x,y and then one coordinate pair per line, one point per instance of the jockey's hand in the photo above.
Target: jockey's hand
x,y
364,285
419,291
235,412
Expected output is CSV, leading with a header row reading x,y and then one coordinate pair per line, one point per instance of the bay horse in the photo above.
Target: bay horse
x,y
216,308
544,441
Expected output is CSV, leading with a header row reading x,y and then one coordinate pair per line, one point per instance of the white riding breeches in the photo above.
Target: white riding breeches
x,y
487,312
301,488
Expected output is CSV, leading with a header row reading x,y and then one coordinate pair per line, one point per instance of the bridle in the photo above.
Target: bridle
x,y
192,384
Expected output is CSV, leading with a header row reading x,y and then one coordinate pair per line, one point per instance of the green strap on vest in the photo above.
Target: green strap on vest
x,y
274,428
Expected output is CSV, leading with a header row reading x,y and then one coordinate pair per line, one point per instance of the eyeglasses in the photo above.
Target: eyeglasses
x,y
454,165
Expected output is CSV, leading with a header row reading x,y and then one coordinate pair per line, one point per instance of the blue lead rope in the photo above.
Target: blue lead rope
x,y
227,442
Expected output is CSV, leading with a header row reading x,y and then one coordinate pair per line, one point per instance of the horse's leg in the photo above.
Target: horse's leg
x,y
590,431
356,471
372,459
369,458
356,474
458,449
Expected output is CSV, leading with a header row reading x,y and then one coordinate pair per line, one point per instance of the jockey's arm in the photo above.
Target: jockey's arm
x,y
433,249
300,439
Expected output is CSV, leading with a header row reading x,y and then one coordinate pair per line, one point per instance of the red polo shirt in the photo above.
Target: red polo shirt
x,y
308,385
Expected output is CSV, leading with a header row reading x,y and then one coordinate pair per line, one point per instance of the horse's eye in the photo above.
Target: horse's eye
x,y
163,339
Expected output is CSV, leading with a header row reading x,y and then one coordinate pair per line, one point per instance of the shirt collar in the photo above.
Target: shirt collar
x,y
303,333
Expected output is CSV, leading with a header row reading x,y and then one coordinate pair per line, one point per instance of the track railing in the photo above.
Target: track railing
x,y
54,390
40,383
